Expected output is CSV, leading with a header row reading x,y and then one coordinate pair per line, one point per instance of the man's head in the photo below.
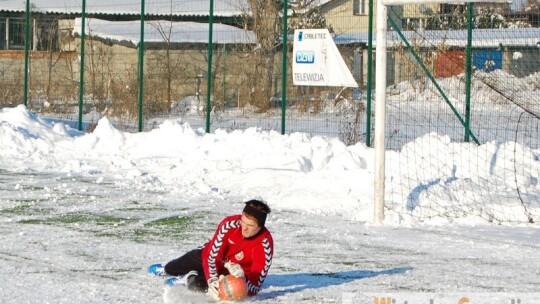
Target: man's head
x,y
253,217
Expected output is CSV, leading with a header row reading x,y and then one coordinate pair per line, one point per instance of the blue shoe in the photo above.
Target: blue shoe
x,y
181,280
157,269
174,281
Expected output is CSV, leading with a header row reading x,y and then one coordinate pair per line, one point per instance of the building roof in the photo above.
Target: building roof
x,y
128,32
222,8
481,38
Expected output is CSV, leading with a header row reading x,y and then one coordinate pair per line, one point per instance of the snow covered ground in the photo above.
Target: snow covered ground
x,y
83,215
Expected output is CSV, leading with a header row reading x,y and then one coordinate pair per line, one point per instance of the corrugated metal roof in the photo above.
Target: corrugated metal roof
x,y
222,8
480,37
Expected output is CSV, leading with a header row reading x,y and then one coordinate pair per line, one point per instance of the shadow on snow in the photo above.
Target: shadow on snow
x,y
295,282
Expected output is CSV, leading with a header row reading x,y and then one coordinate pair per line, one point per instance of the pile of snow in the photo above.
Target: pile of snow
x,y
295,172
493,87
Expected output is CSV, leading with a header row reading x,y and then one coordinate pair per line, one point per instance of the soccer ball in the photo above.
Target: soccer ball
x,y
232,288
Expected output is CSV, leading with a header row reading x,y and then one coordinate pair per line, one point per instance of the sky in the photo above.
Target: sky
x,y
83,214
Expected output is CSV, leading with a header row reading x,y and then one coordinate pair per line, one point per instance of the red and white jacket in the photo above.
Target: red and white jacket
x,y
254,254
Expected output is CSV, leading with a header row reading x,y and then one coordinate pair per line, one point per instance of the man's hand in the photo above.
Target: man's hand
x,y
213,288
235,269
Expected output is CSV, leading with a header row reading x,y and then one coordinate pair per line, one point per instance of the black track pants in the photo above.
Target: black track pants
x,y
186,263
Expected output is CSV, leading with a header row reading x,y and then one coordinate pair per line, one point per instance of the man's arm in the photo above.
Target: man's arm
x,y
211,260
262,259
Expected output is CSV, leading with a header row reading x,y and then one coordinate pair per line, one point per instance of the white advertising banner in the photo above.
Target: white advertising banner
x,y
317,61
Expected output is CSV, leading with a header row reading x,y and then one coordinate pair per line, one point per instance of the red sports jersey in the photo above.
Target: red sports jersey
x,y
254,254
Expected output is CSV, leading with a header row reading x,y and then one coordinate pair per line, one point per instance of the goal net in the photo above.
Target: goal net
x,y
462,107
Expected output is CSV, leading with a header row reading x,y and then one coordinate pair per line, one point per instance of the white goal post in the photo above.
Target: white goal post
x,y
380,94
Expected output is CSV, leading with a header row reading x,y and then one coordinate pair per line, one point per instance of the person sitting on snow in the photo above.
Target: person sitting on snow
x,y
241,246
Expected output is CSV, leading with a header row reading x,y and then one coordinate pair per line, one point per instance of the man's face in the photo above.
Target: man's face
x,y
249,226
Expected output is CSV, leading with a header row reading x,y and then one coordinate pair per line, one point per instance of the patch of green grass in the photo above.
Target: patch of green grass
x,y
171,221
92,181
173,227
21,208
82,218
109,219
74,218
287,269
141,208
24,207
32,222
10,173
26,188
112,226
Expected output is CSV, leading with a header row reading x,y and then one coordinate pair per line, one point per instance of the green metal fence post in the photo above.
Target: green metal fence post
x,y
369,74
209,78
284,68
141,69
26,52
81,72
224,82
468,71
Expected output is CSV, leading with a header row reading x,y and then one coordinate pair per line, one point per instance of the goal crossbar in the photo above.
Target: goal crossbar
x,y
403,2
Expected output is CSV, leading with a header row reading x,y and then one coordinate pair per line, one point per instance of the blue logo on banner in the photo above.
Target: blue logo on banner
x,y
300,36
305,57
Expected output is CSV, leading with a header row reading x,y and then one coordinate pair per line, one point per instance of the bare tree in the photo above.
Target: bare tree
x,y
305,14
165,62
264,18
532,6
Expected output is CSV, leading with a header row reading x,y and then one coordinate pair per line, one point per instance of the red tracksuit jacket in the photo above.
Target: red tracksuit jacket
x,y
254,254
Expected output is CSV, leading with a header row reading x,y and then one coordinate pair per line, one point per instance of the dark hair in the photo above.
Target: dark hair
x,y
258,210
259,205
